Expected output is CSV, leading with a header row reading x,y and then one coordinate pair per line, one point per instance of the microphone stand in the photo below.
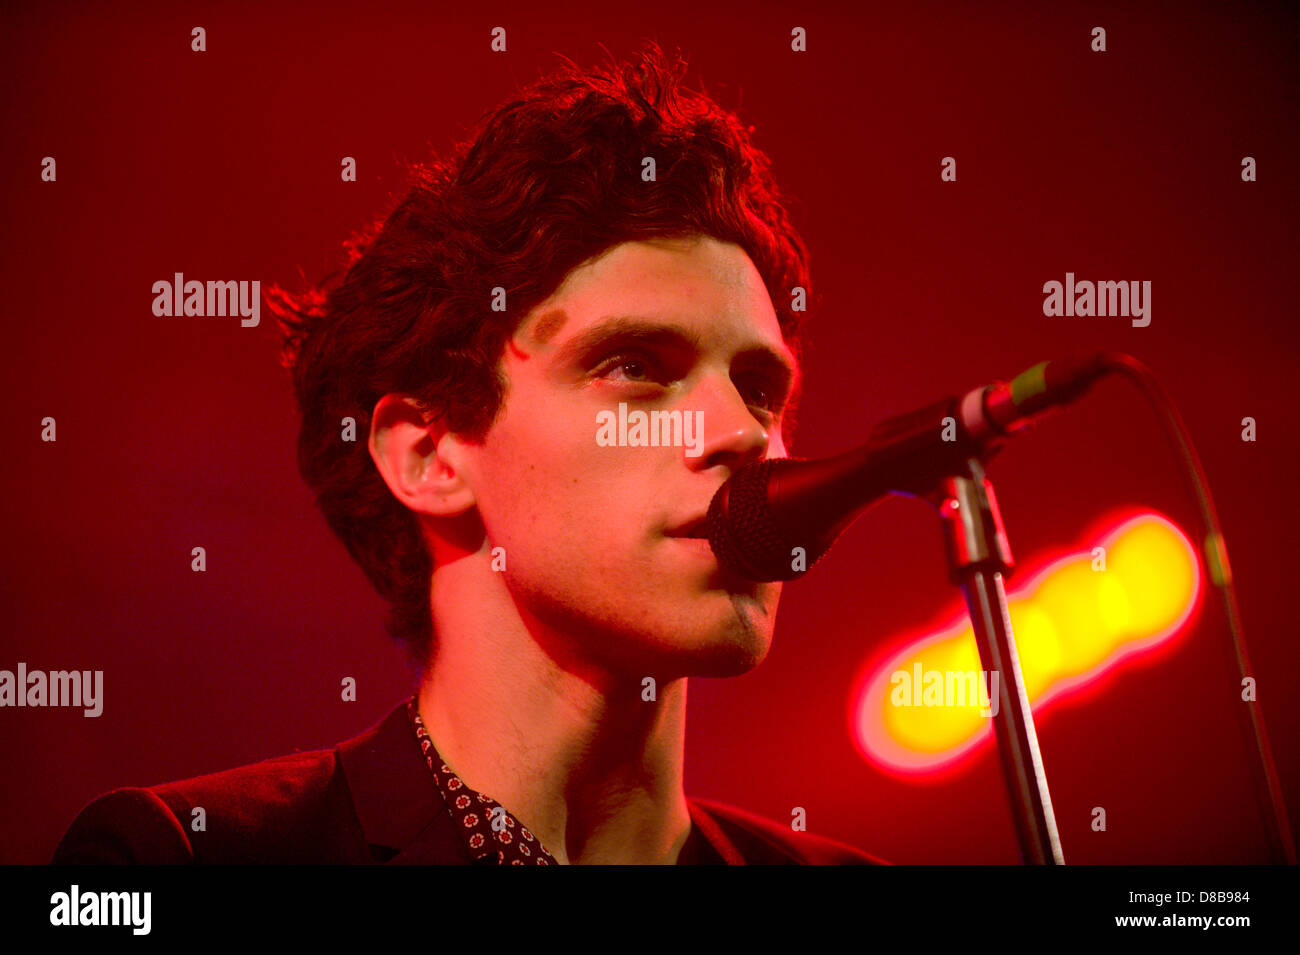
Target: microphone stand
x,y
979,556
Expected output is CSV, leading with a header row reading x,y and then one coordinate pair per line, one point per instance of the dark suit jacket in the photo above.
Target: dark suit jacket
x,y
370,799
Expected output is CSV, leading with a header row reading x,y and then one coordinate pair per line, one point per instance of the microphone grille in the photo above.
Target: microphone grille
x,y
742,530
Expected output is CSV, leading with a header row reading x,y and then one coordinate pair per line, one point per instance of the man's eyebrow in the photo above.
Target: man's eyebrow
x,y
626,328
635,329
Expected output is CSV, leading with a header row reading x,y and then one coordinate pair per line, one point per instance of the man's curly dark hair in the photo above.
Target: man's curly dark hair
x,y
545,182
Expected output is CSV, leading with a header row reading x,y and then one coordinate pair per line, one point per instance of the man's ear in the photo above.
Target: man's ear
x,y
422,463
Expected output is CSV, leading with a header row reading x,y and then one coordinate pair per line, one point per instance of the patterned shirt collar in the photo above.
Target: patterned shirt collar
x,y
489,831
493,836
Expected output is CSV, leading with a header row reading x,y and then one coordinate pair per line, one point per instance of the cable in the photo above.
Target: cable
x,y
1220,572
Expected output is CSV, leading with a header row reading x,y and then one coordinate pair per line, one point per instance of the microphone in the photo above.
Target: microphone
x,y
767,509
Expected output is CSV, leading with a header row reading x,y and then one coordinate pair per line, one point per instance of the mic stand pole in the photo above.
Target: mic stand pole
x,y
978,558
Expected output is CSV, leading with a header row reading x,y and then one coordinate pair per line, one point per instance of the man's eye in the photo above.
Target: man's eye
x,y
634,368
758,396
761,395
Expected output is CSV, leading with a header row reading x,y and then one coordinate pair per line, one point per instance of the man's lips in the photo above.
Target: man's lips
x,y
697,529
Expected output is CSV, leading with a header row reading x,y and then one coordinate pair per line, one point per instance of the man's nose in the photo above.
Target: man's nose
x,y
727,432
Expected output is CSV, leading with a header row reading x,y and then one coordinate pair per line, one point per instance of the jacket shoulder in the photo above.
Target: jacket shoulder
x,y
122,827
293,808
762,841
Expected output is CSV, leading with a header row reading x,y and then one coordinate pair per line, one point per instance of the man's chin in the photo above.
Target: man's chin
x,y
731,659
744,636
735,647
717,634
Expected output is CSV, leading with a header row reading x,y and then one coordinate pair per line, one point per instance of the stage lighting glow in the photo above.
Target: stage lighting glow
x,y
926,706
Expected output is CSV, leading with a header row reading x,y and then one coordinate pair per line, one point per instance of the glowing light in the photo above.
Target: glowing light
x,y
924,706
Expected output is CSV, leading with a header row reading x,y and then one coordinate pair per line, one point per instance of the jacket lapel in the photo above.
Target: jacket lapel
x,y
396,800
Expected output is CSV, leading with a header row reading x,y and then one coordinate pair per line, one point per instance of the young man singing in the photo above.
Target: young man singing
x,y
555,350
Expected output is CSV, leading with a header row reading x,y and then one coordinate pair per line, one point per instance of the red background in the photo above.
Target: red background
x,y
180,432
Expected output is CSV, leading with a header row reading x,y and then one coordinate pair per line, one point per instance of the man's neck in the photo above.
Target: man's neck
x,y
592,768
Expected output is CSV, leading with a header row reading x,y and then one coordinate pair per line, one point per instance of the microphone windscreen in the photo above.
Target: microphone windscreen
x,y
743,531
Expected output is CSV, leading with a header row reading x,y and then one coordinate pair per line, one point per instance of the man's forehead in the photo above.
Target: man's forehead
x,y
657,276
